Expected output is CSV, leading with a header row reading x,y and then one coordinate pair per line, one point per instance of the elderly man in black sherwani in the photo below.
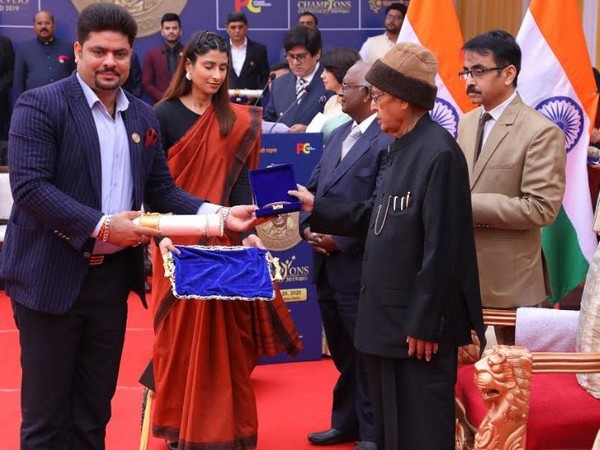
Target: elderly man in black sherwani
x,y
419,296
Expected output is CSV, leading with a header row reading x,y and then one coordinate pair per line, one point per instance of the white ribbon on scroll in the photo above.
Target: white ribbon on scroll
x,y
183,225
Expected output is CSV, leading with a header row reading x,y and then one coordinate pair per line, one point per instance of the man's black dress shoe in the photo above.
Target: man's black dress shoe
x,y
330,437
172,445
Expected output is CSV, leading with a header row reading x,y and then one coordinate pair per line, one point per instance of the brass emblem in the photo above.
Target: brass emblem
x,y
147,13
281,233
135,138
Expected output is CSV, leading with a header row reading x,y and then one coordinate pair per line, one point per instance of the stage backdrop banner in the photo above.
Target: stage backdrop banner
x,y
343,23
282,238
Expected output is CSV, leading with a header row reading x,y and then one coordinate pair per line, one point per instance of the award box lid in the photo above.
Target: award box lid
x,y
269,190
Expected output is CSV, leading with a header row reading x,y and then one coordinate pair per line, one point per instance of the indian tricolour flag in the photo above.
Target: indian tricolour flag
x,y
434,24
556,79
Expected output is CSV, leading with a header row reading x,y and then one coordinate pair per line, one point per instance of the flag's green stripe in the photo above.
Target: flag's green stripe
x,y
566,263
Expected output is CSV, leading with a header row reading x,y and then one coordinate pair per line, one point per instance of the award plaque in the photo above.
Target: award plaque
x,y
269,190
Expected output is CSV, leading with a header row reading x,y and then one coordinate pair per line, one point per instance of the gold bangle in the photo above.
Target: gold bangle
x,y
150,220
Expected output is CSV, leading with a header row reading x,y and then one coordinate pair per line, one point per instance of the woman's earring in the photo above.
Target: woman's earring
x,y
188,76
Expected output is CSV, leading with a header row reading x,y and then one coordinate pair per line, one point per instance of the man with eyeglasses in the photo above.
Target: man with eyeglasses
x,y
299,95
350,168
377,46
419,294
516,160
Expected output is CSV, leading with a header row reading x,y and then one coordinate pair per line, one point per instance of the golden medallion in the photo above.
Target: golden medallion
x,y
281,233
147,13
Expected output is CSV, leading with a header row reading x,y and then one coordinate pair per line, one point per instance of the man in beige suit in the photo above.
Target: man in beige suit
x,y
517,176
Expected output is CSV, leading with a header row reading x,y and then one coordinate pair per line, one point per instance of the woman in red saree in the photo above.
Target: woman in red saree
x,y
204,351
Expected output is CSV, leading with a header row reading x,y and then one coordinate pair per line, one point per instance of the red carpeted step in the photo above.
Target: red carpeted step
x,y
10,377
294,399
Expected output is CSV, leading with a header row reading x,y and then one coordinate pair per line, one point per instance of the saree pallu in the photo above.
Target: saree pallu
x,y
205,351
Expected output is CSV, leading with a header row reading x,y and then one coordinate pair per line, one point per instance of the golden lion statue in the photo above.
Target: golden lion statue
x,y
503,376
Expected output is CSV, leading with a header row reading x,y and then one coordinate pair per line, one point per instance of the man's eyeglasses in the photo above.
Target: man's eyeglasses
x,y
394,16
301,57
375,97
478,72
346,87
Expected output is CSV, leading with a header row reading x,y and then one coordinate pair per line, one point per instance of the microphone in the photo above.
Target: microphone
x,y
295,102
272,76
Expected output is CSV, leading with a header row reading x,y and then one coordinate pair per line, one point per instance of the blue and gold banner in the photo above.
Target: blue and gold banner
x,y
343,23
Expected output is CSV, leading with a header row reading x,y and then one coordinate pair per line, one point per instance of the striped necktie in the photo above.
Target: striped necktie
x,y
300,85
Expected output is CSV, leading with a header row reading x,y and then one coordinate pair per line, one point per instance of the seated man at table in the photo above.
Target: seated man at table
x,y
298,96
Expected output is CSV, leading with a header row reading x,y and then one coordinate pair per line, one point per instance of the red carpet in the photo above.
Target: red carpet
x,y
294,399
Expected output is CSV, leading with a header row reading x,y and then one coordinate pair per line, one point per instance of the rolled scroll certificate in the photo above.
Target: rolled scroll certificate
x,y
183,225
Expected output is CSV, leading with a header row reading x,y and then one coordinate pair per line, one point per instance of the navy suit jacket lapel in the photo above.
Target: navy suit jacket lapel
x,y
359,148
90,145
315,87
331,158
289,92
134,127
314,91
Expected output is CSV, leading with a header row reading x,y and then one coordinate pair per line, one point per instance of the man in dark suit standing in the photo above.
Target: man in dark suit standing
x,y
84,157
419,293
161,62
248,62
42,60
351,168
298,96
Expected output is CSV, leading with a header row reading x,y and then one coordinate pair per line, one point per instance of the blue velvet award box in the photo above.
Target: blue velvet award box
x,y
220,273
269,190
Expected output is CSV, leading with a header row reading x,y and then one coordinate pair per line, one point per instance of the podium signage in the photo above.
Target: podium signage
x,y
282,238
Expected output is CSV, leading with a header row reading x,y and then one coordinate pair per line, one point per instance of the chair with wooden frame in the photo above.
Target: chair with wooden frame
x,y
516,399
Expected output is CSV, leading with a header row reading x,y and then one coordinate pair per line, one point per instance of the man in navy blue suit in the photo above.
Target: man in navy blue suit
x,y
84,156
44,59
299,95
351,168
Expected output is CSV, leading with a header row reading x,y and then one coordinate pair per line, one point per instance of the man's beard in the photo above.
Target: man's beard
x,y
105,85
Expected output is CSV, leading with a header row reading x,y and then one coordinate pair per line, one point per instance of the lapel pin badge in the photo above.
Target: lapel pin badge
x,y
135,138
